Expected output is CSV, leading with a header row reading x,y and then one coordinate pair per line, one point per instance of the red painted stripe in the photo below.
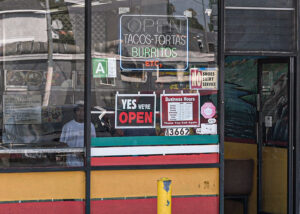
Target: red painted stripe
x,y
190,205
57,207
155,160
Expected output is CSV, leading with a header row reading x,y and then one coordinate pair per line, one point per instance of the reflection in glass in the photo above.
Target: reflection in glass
x,y
142,35
240,95
41,52
275,90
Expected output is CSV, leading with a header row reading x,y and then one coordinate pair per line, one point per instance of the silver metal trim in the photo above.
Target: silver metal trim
x,y
259,8
38,151
23,11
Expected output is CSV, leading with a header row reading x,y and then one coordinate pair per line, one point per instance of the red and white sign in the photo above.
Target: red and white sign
x,y
133,111
203,78
208,110
179,110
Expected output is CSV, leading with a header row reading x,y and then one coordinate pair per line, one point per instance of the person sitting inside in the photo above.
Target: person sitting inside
x,y
73,135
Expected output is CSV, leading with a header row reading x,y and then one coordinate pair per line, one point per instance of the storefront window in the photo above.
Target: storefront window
x,y
41,52
154,74
154,71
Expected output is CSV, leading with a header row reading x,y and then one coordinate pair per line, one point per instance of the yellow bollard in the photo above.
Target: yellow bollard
x,y
164,191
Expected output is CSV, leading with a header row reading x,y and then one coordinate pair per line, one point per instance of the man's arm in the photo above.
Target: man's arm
x,y
93,131
60,158
63,137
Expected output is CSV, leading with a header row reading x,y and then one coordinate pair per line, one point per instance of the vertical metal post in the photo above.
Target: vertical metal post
x,y
87,102
296,147
291,135
164,192
221,58
50,56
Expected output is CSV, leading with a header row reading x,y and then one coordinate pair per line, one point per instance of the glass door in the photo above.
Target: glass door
x,y
273,135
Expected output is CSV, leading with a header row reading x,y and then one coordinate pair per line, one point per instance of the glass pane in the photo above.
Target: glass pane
x,y
240,96
245,30
160,42
41,45
275,114
275,90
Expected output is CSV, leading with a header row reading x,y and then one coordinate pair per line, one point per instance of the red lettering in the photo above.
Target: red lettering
x,y
132,116
123,117
152,63
148,117
140,117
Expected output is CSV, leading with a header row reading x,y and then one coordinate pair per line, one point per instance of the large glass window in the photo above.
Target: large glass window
x,y
41,54
143,54
154,73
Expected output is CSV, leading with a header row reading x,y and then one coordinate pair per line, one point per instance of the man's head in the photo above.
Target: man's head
x,y
79,112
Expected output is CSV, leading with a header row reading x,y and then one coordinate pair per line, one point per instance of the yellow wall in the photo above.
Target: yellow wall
x,y
42,186
274,179
106,184
140,183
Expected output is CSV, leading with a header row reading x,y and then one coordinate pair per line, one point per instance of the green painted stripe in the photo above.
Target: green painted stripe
x,y
154,140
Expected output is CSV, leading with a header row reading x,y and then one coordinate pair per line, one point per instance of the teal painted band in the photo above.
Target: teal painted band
x,y
155,140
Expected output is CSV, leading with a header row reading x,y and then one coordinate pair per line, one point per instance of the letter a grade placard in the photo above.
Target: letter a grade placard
x,y
104,68
179,110
135,111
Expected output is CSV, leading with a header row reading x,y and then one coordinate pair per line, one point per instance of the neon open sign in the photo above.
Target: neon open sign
x,y
151,42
